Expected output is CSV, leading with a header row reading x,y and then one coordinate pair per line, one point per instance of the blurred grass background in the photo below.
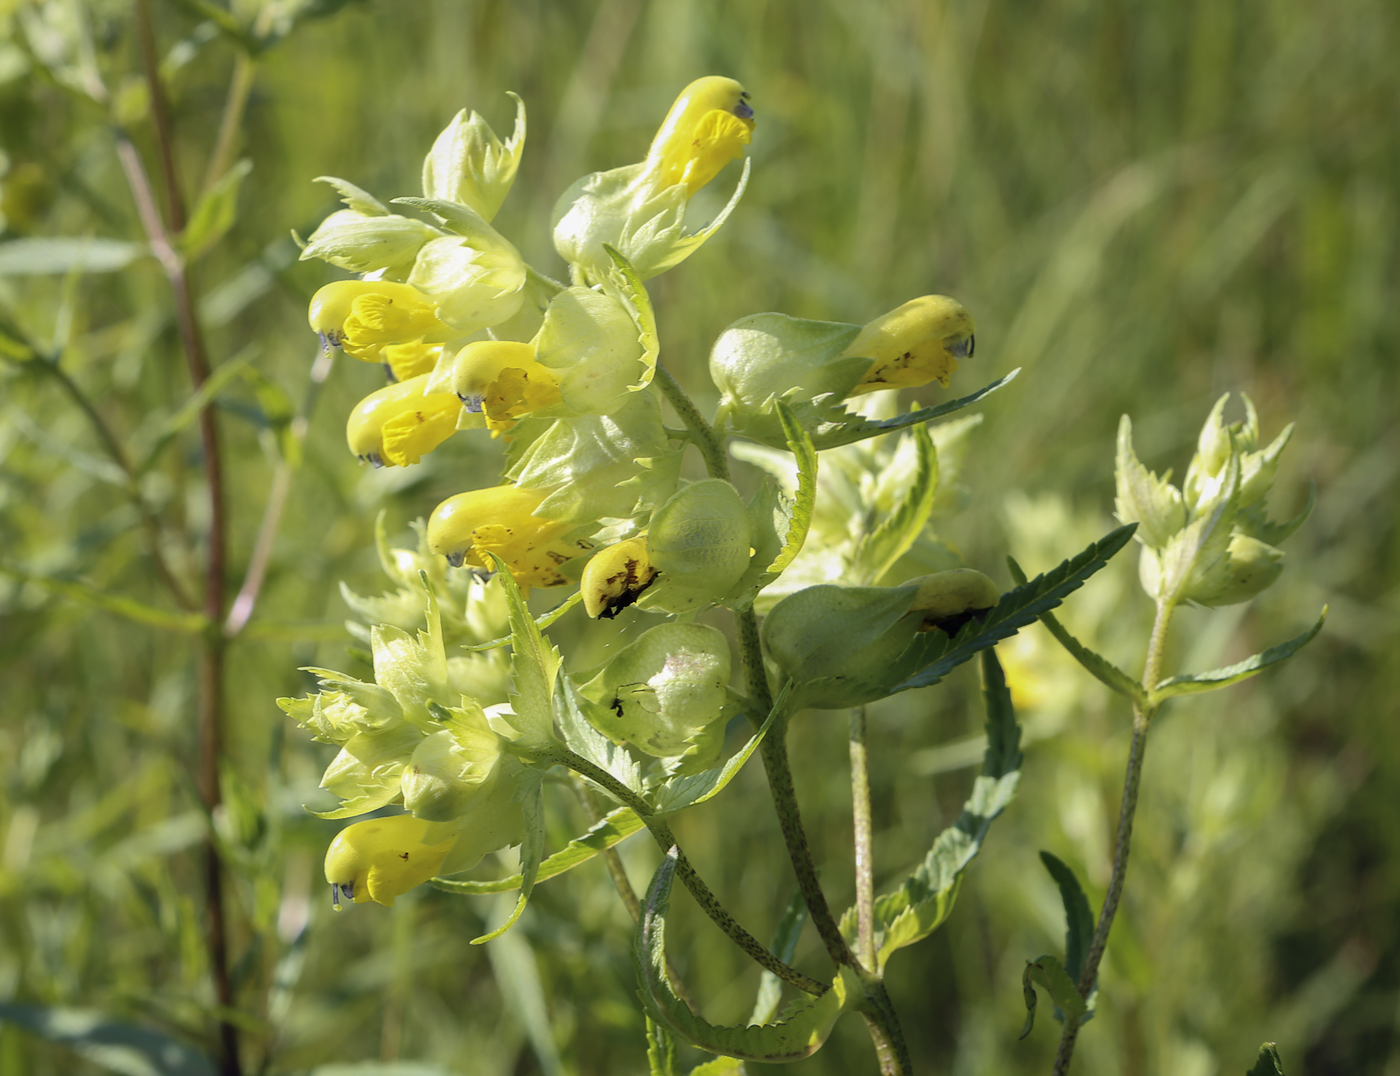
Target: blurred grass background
x,y
1145,206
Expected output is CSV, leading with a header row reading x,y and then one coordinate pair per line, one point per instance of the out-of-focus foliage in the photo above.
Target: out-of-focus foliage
x,y
1145,205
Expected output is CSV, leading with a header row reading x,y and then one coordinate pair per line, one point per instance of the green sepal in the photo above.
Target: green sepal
x,y
834,434
608,832
528,791
1049,974
627,285
1079,920
807,1021
934,654
544,620
534,665
687,789
920,905
790,522
1195,683
108,1043
1098,666
215,213
783,946
1268,1063
880,549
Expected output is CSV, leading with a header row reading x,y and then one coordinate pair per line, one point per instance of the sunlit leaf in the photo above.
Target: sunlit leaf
x,y
66,254
688,789
898,530
1195,683
531,848
833,434
534,664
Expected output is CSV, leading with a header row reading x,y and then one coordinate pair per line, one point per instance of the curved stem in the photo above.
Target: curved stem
x,y
1132,780
707,439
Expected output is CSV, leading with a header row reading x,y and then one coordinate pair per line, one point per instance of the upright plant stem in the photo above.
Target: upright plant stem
x,y
1132,780
211,665
863,840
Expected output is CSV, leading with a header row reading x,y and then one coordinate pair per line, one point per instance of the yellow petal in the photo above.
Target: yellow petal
x,y
382,858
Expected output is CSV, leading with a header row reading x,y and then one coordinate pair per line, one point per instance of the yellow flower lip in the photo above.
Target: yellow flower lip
x,y
362,317
502,379
914,344
501,520
382,858
707,127
397,425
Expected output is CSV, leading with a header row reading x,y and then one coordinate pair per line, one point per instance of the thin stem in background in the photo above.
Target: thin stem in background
x,y
245,70
1132,780
863,840
212,651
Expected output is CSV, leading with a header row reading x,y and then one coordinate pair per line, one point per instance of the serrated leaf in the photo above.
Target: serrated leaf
x,y
805,502
115,1046
779,537
215,213
933,655
898,531
784,945
1142,497
1049,974
67,254
920,905
1097,665
834,434
534,664
627,281
1195,683
582,737
356,198
688,789
661,1050
531,848
1079,920
543,621
1268,1063
133,610
807,1021
608,832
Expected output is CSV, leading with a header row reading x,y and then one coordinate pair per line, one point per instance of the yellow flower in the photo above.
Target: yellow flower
x,y
407,361
362,316
502,379
399,424
383,858
914,344
500,520
708,126
948,600
616,577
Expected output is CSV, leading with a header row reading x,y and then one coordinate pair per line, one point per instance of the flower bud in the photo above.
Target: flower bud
x,y
502,379
468,164
616,577
397,425
948,600
499,520
362,316
365,243
914,344
699,542
1248,568
665,693
382,859
708,126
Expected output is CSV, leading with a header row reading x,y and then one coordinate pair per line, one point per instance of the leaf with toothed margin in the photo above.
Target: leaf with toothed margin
x,y
925,899
898,531
581,737
531,848
534,664
801,1032
1049,974
834,434
609,831
1195,683
629,287
1079,920
543,621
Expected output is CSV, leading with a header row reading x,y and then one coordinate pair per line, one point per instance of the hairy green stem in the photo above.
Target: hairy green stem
x,y
707,439
863,840
1132,780
702,893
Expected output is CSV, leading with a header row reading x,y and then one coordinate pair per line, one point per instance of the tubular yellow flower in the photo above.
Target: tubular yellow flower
x,y
948,600
362,316
398,424
616,577
502,379
914,344
468,526
708,126
407,361
383,858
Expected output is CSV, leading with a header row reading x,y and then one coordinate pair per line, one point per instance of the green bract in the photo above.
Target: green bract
x,y
699,543
468,164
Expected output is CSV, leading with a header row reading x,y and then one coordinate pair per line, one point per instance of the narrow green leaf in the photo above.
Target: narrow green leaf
x,y
66,254
120,604
920,905
834,434
1098,666
1049,974
531,849
117,1047
800,445
534,664
784,945
356,198
215,213
879,550
933,655
1079,920
1195,683
807,1021
629,283
661,1050
1268,1063
543,621
686,790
